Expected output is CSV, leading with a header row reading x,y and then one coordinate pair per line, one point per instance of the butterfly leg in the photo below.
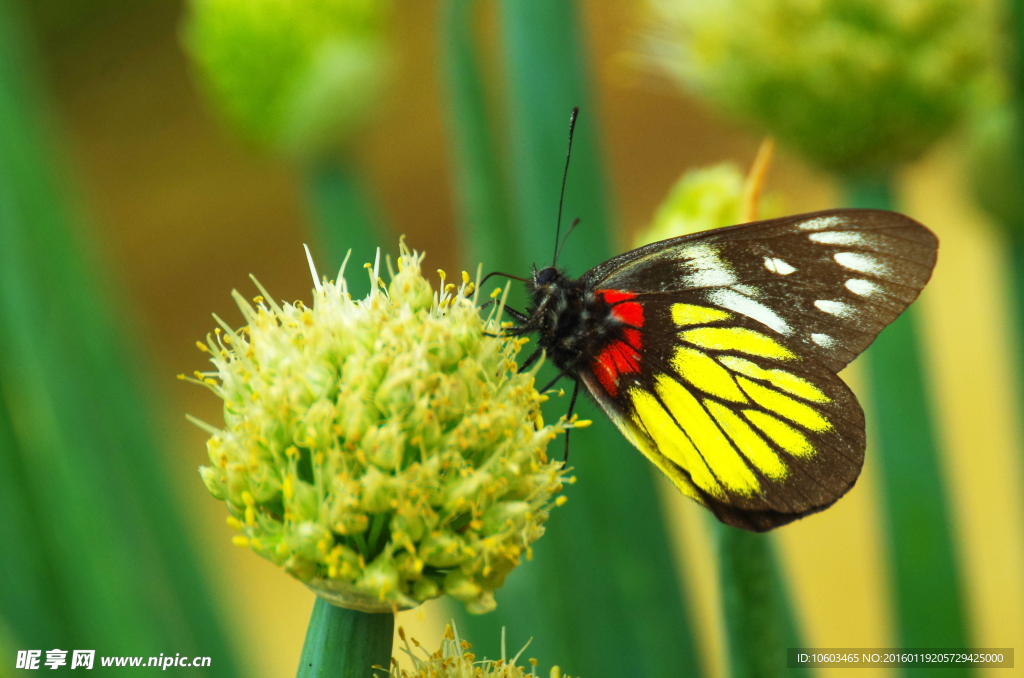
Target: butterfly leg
x,y
572,404
531,360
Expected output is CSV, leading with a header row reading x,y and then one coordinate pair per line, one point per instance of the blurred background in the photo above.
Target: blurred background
x,y
173,210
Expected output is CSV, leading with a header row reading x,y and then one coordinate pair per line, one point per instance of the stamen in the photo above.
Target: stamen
x,y
312,269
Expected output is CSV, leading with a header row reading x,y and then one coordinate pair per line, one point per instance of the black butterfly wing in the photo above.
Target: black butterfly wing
x,y
723,377
827,281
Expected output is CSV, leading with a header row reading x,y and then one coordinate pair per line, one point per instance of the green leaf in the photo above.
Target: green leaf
x,y
927,584
83,446
601,595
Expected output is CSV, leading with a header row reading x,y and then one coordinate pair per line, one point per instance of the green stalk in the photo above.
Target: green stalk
x,y
344,219
29,590
83,448
344,643
602,593
759,620
929,605
487,232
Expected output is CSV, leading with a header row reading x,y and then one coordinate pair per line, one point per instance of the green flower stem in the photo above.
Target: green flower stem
x,y
927,585
343,219
758,618
344,643
483,213
96,505
601,593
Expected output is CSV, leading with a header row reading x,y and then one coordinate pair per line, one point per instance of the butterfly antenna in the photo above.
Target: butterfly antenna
x,y
558,227
567,234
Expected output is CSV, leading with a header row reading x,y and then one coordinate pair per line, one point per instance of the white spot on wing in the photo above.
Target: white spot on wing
x,y
836,308
734,301
862,263
823,340
820,223
705,268
846,238
778,266
863,288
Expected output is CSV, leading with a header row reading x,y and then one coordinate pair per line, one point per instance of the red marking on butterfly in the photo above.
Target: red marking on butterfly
x,y
621,356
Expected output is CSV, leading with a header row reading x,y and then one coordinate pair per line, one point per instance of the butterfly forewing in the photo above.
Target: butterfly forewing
x,y
828,281
725,372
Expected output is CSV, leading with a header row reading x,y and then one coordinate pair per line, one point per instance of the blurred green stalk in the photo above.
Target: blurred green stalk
x,y
926,583
100,558
487,232
759,622
344,643
344,219
602,593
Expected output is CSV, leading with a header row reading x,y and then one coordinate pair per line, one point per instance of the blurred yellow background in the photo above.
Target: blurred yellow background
x,y
183,213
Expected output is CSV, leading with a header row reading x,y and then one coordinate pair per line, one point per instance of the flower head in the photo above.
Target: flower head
x,y
295,76
856,85
384,451
454,660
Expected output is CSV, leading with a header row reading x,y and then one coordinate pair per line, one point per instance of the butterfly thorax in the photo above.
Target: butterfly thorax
x,y
572,321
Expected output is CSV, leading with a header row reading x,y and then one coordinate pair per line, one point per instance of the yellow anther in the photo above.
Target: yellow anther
x,y
250,515
465,278
583,423
495,293
287,489
247,498
444,276
239,540
256,543
368,266
202,347
449,287
234,523
182,377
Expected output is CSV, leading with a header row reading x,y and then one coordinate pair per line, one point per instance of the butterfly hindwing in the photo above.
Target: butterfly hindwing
x,y
736,417
725,372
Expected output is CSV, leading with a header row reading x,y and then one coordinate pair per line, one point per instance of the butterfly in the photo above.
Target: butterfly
x,y
716,354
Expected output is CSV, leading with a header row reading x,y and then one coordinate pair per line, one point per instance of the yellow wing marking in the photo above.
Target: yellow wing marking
x,y
702,371
738,339
725,462
780,379
794,410
751,444
650,416
689,314
784,435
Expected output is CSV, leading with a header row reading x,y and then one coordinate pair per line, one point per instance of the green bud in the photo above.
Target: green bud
x,y
425,589
505,515
384,445
461,586
307,540
858,86
214,481
442,549
301,77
